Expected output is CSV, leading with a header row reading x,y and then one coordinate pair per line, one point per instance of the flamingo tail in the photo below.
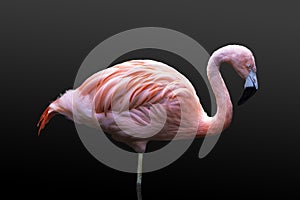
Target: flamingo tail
x,y
45,118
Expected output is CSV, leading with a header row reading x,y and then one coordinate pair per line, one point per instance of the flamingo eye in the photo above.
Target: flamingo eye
x,y
248,66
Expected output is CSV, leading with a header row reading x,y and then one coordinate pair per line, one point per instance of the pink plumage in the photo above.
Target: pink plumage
x,y
140,92
132,89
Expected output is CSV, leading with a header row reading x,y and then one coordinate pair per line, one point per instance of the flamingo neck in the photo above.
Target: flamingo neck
x,y
223,116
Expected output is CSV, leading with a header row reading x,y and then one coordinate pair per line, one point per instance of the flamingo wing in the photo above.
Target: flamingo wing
x,y
133,84
141,92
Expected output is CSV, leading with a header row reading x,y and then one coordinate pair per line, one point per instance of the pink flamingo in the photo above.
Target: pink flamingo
x,y
133,87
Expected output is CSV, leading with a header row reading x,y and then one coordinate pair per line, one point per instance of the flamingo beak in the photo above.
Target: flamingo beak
x,y
250,87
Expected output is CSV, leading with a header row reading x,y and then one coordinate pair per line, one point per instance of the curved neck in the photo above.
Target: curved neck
x,y
223,116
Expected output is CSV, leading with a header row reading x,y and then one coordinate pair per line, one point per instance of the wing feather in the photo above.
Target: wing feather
x,y
132,84
139,98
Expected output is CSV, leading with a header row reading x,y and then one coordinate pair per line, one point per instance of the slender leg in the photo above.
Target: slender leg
x,y
139,176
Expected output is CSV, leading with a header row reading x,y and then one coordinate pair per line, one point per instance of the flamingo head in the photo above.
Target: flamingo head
x,y
243,62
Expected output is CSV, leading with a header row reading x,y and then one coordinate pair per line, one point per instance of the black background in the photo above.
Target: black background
x,y
43,43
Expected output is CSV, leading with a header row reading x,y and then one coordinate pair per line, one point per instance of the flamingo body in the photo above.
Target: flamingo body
x,y
132,88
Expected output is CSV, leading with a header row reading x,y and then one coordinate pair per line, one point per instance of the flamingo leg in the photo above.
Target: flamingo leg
x,y
139,176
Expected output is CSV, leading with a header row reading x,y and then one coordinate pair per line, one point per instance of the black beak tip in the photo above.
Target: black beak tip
x,y
248,92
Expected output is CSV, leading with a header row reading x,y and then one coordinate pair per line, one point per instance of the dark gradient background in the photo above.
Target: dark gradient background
x,y
44,43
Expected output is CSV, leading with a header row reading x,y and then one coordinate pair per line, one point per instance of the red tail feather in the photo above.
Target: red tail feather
x,y
44,119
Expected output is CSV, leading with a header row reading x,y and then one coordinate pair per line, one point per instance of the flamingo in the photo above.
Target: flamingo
x,y
134,86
